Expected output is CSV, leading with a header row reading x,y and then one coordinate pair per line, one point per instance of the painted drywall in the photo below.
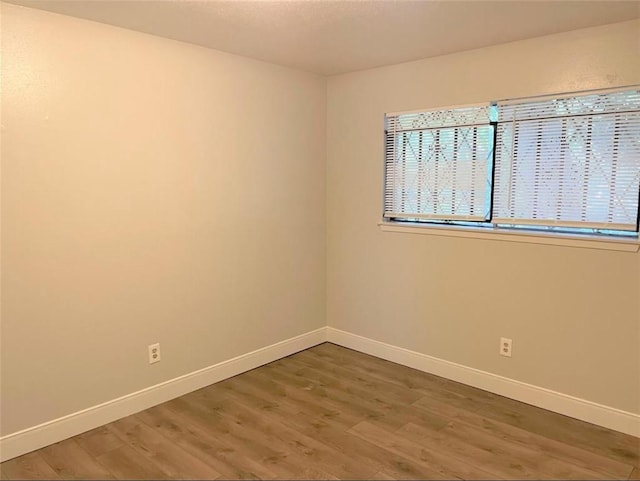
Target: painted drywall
x,y
573,313
152,191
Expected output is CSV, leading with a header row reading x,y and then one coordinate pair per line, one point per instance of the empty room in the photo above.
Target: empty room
x,y
319,239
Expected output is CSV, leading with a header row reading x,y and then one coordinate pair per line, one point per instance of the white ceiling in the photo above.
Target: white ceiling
x,y
330,37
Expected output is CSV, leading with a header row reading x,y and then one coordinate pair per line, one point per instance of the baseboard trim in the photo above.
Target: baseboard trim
x,y
36,437
574,407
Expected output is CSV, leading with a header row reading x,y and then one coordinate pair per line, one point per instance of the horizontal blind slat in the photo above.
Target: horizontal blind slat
x,y
570,162
436,165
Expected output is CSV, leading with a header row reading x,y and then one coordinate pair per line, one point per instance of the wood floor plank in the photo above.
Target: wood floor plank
x,y
209,448
231,442
308,451
213,421
28,466
334,436
599,440
277,457
443,464
331,374
70,461
471,402
505,460
312,400
549,467
588,460
300,402
312,473
388,371
381,475
353,400
172,459
388,413
126,463
342,374
99,441
333,413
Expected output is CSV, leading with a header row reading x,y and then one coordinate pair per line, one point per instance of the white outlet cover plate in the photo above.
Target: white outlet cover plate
x,y
505,346
154,353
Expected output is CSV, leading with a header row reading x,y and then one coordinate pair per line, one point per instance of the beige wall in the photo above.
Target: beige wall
x,y
573,314
152,191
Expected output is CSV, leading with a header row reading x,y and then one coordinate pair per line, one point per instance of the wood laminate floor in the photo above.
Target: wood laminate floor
x,y
333,413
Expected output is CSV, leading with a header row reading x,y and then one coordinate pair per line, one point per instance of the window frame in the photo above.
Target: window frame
x,y
545,234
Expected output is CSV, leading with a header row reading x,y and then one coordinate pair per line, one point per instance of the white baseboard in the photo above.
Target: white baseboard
x,y
574,407
36,437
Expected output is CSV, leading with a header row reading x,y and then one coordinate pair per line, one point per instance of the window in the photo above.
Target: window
x,y
566,164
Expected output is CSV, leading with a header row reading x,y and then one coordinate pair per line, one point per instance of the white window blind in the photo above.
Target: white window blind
x,y
572,161
438,165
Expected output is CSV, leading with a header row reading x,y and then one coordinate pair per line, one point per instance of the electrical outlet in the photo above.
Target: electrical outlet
x,y
505,346
154,353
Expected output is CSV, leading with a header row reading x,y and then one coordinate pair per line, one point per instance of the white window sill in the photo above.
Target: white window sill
x,y
567,240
